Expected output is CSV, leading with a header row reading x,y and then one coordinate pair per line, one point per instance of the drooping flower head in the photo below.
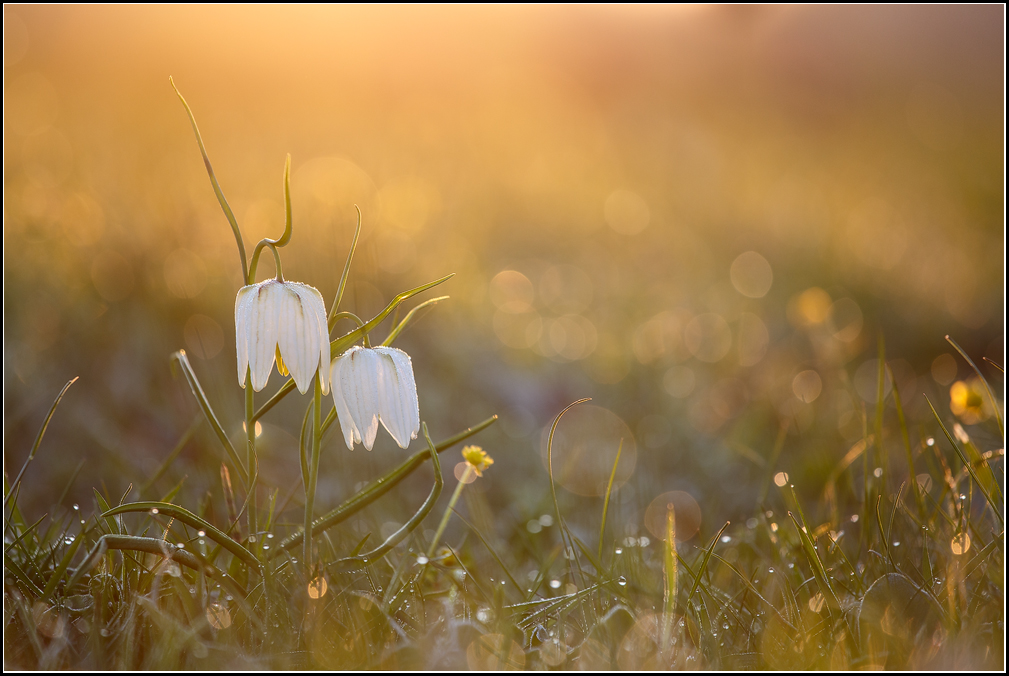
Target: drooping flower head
x,y
286,322
372,385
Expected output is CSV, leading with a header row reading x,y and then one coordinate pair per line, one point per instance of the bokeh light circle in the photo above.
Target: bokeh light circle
x,y
686,515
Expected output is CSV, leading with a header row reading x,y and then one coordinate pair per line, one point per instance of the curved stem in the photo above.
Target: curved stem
x,y
284,239
254,265
360,323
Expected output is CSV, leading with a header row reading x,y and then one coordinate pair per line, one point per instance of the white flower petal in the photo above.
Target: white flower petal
x,y
263,329
316,338
292,338
399,412
243,304
347,425
360,389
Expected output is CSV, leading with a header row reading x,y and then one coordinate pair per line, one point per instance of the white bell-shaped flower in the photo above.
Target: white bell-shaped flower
x,y
372,385
285,321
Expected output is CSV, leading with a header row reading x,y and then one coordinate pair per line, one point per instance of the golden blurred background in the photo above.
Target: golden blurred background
x,y
702,217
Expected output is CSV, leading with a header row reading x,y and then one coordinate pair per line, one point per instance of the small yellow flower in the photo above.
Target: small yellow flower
x,y
477,458
967,401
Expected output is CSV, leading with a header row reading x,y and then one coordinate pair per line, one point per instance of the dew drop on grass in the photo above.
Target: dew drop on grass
x,y
76,507
622,581
154,510
181,545
618,550
854,518
422,560
269,536
878,472
265,547
930,441
252,538
555,584
896,543
201,533
726,539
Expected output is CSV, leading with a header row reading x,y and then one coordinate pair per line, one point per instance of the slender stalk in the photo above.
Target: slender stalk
x,y
463,480
250,457
313,471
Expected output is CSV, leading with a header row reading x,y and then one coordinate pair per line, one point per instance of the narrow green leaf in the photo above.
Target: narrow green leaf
x,y
346,271
208,411
217,187
406,320
378,488
38,438
704,562
62,568
376,554
606,500
994,401
185,516
970,469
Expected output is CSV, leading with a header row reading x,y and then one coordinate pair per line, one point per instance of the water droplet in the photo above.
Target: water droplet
x,y
422,560
181,545
252,538
154,510
201,542
622,581
854,518
878,472
76,507
770,570
69,540
269,536
202,533
726,538
930,441
555,584
896,543
618,550
265,547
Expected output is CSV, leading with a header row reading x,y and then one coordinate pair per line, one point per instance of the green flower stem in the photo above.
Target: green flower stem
x,y
255,260
465,479
357,320
313,471
250,458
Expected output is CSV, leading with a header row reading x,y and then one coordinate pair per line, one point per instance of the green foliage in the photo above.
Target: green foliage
x,y
152,585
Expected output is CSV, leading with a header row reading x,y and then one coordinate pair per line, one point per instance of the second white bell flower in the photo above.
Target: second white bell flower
x,y
372,385
285,321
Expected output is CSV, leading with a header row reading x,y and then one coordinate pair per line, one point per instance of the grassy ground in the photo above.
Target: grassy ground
x,y
882,572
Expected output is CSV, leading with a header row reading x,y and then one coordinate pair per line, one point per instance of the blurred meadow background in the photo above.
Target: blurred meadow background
x,y
704,218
